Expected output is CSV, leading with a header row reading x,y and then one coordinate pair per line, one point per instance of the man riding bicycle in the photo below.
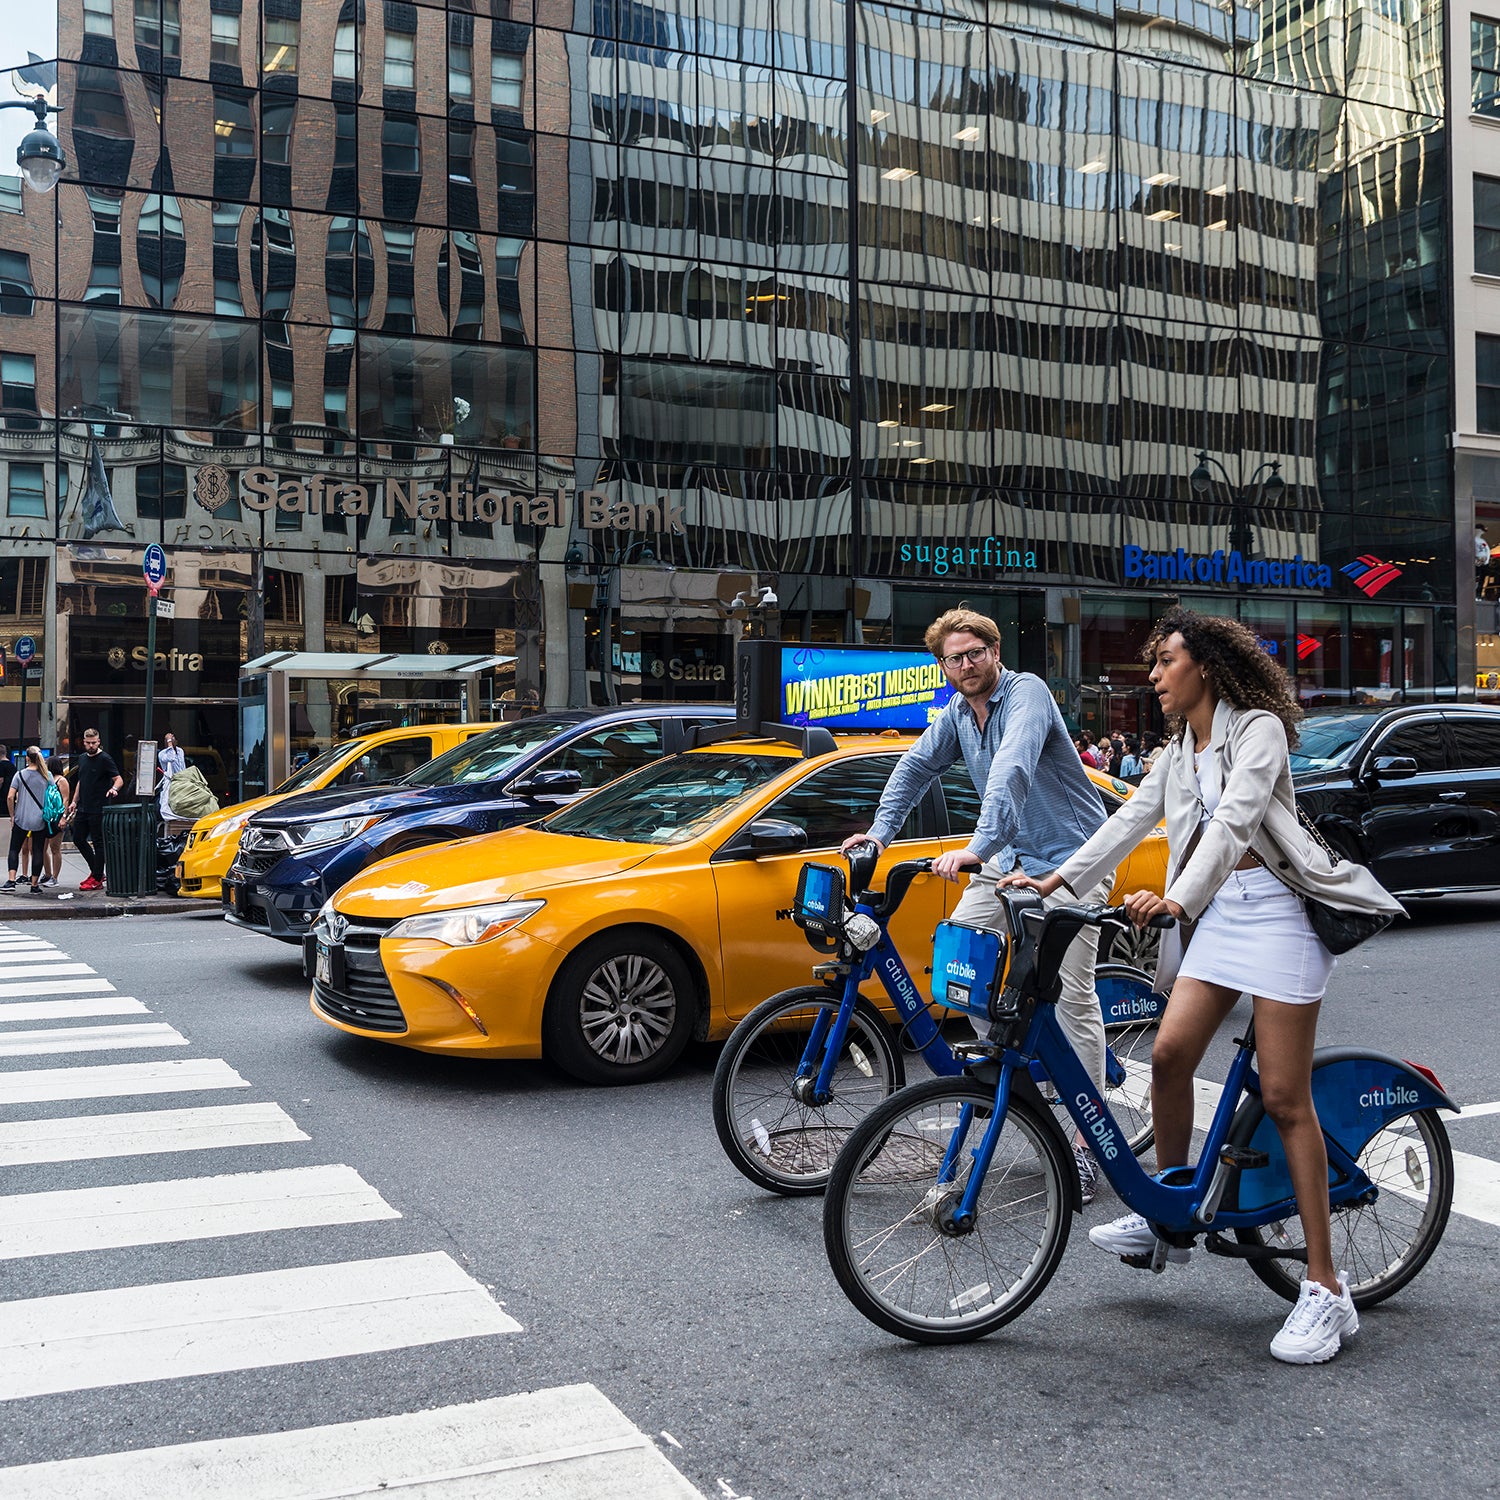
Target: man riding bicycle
x,y
1037,808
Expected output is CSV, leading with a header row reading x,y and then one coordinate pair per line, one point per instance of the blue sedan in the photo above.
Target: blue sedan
x,y
295,855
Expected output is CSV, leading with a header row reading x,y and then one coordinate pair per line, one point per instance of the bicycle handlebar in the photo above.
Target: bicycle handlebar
x,y
862,860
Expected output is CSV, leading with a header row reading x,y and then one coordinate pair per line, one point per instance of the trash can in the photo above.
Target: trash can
x,y
130,848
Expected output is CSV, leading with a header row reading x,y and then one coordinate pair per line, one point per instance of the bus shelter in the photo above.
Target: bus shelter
x,y
295,701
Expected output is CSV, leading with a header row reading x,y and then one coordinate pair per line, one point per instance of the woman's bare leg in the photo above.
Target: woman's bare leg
x,y
1194,1012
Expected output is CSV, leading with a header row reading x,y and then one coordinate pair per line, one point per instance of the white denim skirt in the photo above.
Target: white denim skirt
x,y
1255,938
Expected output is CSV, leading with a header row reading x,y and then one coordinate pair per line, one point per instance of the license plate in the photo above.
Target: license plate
x,y
323,965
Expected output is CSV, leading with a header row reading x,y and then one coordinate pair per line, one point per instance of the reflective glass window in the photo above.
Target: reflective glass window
x,y
224,39
1484,47
1487,225
18,382
234,126
346,50
401,144
27,491
1487,376
17,293
158,25
99,17
507,69
283,39
400,60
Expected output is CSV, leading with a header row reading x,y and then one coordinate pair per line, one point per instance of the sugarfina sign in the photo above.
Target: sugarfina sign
x,y
1231,567
263,490
989,554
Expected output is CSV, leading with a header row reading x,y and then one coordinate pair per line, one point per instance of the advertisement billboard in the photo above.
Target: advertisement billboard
x,y
840,688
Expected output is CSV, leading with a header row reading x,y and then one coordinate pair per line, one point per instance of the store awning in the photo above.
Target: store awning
x,y
372,664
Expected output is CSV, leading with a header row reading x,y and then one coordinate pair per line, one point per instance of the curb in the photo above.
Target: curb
x,y
50,908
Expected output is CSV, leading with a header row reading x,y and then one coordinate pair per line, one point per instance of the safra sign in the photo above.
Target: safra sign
x,y
328,494
1229,567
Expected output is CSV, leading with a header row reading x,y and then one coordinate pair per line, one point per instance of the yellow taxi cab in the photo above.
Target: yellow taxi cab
x,y
655,910
370,758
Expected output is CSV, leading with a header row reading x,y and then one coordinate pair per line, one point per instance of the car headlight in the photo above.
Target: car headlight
x,y
320,928
229,826
468,924
334,831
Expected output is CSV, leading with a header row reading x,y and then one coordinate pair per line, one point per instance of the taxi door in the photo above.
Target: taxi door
x,y
762,950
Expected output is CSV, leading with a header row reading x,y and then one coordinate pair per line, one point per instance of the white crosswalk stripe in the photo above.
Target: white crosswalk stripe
x,y
511,1448
194,1208
564,1444
118,1080
90,1039
144,1133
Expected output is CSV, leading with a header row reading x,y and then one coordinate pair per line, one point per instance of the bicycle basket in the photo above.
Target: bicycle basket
x,y
818,907
968,965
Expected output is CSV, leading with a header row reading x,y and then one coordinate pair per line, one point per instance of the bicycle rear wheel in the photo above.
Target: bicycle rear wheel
x,y
778,1142
1379,1246
887,1214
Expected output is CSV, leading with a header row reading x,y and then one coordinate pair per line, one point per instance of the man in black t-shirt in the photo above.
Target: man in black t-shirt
x,y
96,778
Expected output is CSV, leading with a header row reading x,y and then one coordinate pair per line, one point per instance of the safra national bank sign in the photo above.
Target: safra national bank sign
x,y
264,490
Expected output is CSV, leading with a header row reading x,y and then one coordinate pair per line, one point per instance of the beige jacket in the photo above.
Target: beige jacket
x,y
1256,811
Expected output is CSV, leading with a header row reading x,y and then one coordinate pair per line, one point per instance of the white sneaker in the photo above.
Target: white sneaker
x,y
1316,1325
1133,1236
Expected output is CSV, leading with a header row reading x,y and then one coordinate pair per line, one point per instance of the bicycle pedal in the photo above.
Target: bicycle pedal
x,y
1244,1157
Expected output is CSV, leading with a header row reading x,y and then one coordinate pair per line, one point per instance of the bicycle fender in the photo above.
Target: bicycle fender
x,y
1356,1093
1126,996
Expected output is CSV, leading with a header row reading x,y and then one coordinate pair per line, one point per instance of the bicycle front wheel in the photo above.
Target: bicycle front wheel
x,y
777,1141
887,1216
1379,1246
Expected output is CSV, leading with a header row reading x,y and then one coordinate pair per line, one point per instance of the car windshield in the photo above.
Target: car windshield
x,y
669,801
487,756
309,773
1324,740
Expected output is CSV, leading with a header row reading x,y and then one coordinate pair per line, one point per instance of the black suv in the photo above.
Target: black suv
x,y
1412,792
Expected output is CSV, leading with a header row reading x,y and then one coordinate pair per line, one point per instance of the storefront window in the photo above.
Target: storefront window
x,y
1375,654
1272,623
1321,642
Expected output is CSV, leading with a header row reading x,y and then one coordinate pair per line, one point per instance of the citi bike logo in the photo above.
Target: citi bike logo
x,y
1135,1006
958,970
1104,1137
1392,1094
905,992
1371,574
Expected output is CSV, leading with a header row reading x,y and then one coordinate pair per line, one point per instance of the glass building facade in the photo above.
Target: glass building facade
x,y
562,328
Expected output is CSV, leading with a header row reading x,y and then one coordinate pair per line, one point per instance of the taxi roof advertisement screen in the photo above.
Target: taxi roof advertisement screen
x,y
860,687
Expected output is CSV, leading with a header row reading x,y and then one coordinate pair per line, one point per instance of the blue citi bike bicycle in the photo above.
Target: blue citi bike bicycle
x,y
948,1210
805,1067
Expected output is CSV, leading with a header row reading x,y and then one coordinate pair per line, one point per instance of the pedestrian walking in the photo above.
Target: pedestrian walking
x,y
1131,765
27,801
97,781
169,761
1037,805
1238,861
53,856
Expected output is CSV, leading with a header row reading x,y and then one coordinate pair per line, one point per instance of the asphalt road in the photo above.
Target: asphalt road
x,y
634,1258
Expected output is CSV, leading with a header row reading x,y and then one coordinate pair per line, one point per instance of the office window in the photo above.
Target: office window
x,y
18,382
282,39
460,71
400,60
400,315
400,243
277,121
224,37
17,294
400,145
1487,225
346,50
10,195
1487,372
234,127
104,204
506,72
158,24
27,491
1484,49
99,17
104,285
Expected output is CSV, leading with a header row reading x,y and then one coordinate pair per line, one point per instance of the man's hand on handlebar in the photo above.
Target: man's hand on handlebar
x,y
954,862
856,839
1142,906
1020,881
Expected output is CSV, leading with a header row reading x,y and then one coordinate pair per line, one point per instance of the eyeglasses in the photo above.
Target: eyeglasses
x,y
974,655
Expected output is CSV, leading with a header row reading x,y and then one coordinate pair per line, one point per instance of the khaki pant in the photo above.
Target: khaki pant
x,y
1078,1010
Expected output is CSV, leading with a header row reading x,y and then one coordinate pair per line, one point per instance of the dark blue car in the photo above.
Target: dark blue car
x,y
294,856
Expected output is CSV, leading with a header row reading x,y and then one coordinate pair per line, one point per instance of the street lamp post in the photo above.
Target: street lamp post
x,y
1271,488
604,569
40,154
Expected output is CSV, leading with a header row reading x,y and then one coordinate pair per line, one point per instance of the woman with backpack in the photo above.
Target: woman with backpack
x,y
52,865
30,792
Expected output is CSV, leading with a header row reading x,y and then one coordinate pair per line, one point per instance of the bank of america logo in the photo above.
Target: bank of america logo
x,y
1371,574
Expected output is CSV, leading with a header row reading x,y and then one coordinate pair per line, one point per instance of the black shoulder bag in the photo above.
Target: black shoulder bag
x,y
1338,931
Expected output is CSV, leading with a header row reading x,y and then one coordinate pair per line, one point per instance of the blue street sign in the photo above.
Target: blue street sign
x,y
155,565
25,649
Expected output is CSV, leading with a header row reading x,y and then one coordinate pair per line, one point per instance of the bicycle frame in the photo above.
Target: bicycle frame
x,y
1188,1207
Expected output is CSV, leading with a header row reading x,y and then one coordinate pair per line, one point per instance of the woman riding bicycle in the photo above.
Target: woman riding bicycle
x,y
1238,860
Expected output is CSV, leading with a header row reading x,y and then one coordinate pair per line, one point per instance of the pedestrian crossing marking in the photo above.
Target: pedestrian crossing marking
x,y
117,1080
51,969
505,1449
83,1005
132,1335
144,1133
89,1039
69,1220
10,958
55,987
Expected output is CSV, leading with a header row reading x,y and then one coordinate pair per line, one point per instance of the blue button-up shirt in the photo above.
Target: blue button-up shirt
x,y
1037,803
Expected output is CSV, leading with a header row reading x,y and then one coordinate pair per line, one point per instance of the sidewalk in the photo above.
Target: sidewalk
x,y
65,899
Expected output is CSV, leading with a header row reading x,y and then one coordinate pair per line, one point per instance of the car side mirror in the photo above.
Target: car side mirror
x,y
769,836
1393,768
547,784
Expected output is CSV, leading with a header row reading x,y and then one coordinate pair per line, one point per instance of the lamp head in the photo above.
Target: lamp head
x,y
573,557
1275,486
41,160
1201,479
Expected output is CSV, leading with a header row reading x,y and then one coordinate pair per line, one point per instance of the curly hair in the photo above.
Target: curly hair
x,y
1239,671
